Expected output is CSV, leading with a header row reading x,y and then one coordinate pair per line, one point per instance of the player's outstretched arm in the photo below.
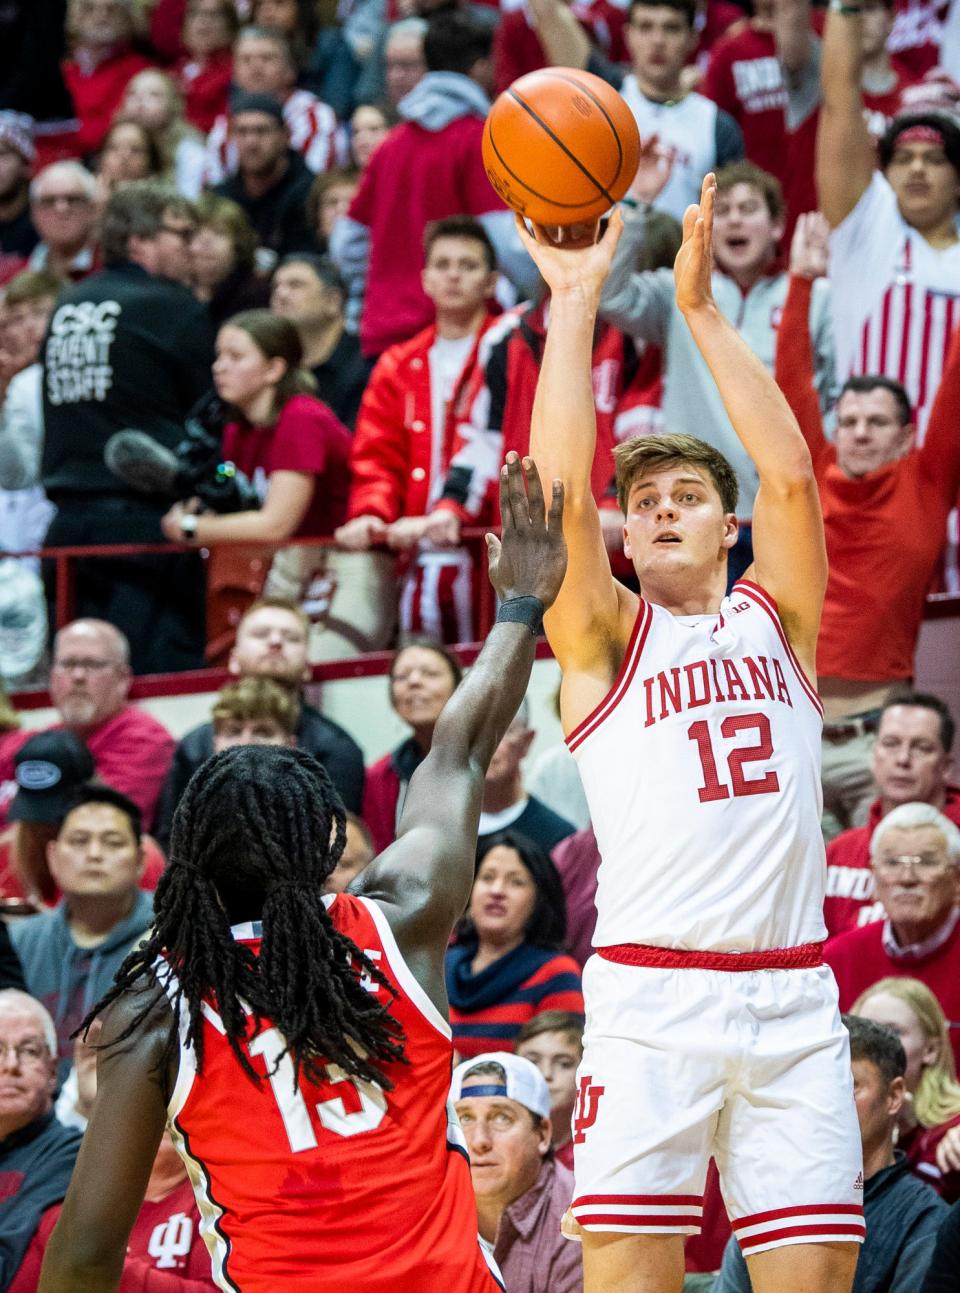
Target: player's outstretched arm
x,y
586,616
89,1242
423,880
845,152
790,558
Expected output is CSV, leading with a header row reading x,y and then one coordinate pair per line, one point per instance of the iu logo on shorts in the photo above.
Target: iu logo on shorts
x,y
586,1108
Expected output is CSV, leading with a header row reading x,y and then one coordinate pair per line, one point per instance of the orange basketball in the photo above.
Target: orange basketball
x,y
560,146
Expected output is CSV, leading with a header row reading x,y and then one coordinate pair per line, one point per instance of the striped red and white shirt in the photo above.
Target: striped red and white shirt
x,y
314,133
896,299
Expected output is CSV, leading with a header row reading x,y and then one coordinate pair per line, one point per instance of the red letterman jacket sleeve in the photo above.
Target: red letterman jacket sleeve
x,y
379,460
794,369
940,453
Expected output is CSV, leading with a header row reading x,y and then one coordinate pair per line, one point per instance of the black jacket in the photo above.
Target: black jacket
x,y
325,740
943,1275
342,378
124,349
280,215
35,1166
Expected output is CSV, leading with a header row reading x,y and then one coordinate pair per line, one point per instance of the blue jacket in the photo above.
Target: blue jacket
x,y
35,1168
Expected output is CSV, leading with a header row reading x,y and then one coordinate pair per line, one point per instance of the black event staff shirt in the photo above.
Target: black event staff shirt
x,y
125,349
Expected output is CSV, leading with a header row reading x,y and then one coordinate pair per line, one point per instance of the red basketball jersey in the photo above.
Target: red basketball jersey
x,y
337,1187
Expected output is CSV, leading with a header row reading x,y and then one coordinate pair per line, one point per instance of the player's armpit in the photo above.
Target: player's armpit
x,y
586,618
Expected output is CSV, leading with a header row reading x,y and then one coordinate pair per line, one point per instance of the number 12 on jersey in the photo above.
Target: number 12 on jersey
x,y
737,758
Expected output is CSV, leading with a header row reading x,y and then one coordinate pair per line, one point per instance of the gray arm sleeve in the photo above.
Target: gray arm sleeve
x,y
638,303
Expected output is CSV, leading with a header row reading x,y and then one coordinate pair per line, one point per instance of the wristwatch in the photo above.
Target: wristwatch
x,y
188,527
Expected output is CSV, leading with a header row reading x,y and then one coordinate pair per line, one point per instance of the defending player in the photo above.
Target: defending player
x,y
712,1023
344,1179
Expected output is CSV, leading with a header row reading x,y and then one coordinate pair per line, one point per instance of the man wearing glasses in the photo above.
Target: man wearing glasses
x,y
915,858
63,214
128,347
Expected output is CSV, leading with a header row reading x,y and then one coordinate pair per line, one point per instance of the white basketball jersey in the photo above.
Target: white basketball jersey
x,y
702,772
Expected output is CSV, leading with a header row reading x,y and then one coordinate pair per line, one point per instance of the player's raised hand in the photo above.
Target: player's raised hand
x,y
571,259
693,268
530,557
808,250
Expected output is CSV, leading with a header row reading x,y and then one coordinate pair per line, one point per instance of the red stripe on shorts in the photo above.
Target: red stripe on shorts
x,y
804,1210
631,1219
804,957
810,1233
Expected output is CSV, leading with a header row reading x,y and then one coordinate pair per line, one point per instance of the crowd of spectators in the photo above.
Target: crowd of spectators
x,y
260,236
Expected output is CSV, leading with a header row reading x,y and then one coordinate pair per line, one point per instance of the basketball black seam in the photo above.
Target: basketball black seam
x,y
564,149
524,185
598,103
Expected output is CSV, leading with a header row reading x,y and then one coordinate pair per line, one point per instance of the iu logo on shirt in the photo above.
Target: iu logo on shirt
x,y
170,1242
586,1109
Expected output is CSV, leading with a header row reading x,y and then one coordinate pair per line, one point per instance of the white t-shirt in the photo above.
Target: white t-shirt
x,y
896,299
447,358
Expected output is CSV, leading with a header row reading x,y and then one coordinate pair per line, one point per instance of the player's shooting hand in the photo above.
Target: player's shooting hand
x,y
808,251
693,268
530,557
571,260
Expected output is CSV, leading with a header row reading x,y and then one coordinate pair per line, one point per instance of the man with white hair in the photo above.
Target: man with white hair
x,y
36,1153
63,214
915,859
90,686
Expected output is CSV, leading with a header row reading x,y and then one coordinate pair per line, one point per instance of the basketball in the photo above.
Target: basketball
x,y
560,146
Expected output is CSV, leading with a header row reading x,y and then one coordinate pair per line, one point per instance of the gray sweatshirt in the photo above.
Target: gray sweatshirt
x,y
643,306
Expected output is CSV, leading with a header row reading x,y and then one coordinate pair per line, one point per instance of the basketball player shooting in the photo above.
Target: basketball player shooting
x,y
712,1023
298,1044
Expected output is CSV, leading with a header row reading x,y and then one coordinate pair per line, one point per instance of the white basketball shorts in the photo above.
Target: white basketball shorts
x,y
752,1067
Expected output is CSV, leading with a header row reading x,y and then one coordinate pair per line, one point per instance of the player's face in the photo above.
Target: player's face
x,y
659,39
675,523
878,1103
89,683
506,1150
356,854
96,854
910,764
271,643
926,185
870,433
745,234
229,732
28,1072
915,880
503,898
884,1008
556,1055
456,276
420,685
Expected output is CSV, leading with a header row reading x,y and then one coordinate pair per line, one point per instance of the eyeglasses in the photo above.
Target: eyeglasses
x,y
186,233
88,666
26,1052
926,864
50,200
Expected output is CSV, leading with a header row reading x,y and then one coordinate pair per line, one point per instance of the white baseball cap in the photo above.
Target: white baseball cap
x,y
525,1083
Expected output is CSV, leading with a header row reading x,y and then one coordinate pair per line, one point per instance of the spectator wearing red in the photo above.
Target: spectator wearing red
x,y
518,47
264,63
205,70
102,61
507,964
427,168
406,432
929,1122
894,247
873,481
423,677
911,762
915,855
918,30
90,685
577,859
288,443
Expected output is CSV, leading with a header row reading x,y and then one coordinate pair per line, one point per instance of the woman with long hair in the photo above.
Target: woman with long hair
x,y
154,99
284,440
508,963
223,259
929,1130
131,151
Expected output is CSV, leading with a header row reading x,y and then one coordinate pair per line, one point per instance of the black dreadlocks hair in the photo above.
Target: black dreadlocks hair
x,y
257,832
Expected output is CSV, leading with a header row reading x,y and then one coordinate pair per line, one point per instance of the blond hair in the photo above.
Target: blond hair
x,y
644,454
252,699
937,1097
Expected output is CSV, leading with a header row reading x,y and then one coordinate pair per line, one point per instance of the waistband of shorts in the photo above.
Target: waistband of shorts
x,y
806,956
